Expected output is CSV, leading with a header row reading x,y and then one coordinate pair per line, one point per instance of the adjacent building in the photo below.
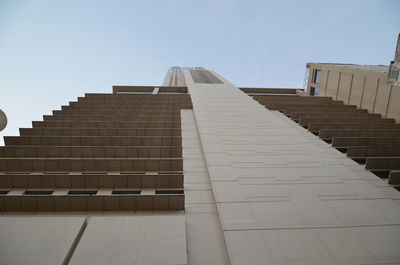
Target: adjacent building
x,y
372,87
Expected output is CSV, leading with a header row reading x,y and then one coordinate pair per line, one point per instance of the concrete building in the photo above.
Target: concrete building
x,y
199,171
372,87
365,86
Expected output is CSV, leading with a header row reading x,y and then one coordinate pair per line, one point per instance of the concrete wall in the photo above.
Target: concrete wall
x,y
364,88
283,196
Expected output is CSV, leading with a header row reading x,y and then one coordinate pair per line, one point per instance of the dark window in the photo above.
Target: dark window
x,y
204,77
125,192
393,74
3,192
313,91
82,192
169,191
317,76
38,192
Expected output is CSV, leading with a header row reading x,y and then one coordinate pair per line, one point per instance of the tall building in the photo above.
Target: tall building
x,y
199,171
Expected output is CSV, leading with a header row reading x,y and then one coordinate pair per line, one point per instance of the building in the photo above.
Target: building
x,y
199,171
365,86
371,87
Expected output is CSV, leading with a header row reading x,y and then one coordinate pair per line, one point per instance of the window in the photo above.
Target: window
x,y
393,74
313,91
317,76
125,192
38,192
82,192
169,191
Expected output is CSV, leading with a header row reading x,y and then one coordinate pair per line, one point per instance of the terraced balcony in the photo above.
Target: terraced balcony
x,y
366,137
104,152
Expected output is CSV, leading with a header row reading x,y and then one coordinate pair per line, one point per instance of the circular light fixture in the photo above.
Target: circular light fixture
x,y
3,120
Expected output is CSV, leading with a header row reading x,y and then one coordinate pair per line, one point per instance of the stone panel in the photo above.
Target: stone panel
x,y
147,240
37,240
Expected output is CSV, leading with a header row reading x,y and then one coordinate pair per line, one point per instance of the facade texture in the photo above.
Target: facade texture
x,y
199,171
364,86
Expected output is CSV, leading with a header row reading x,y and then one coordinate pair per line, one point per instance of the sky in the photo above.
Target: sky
x,y
51,52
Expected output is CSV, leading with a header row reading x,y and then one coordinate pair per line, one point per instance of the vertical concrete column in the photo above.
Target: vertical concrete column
x,y
283,196
205,239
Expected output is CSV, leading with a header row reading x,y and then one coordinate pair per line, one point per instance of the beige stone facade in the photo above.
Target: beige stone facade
x,y
195,172
366,87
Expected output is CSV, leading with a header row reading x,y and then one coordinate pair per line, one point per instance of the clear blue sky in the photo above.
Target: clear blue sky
x,y
54,51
